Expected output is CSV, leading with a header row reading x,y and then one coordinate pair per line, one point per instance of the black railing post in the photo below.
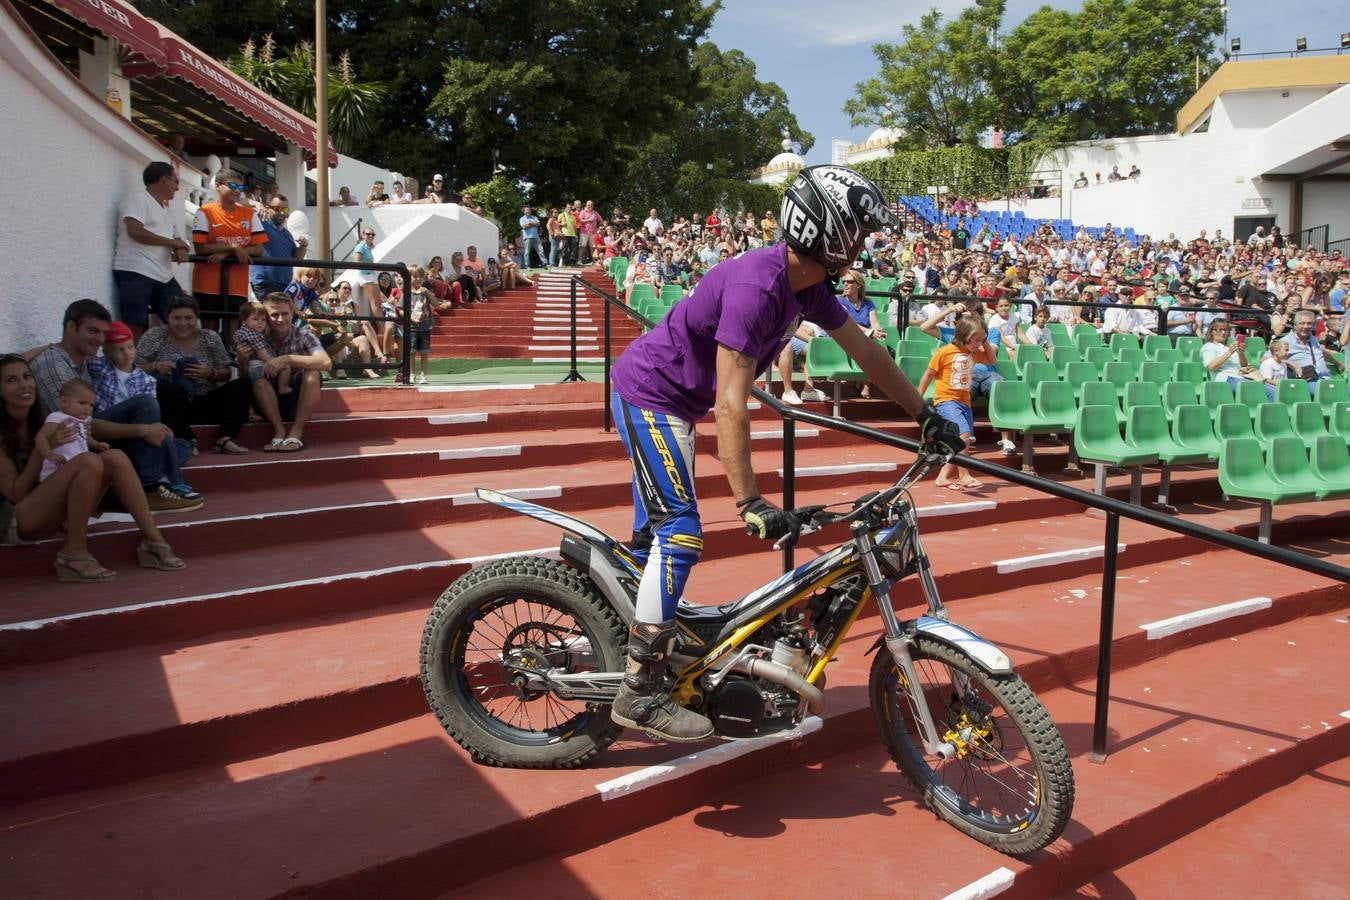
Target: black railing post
x,y
789,480
406,365
609,413
573,374
1108,624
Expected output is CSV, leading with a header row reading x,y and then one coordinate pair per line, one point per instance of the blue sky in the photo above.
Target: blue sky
x,y
817,51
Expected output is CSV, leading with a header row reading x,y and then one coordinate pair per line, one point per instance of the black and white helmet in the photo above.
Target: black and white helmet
x,y
829,211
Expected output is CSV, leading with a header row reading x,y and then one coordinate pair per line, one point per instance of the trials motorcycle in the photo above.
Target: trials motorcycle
x,y
522,656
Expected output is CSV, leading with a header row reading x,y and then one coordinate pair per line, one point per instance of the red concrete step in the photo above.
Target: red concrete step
x,y
144,709
1234,855
1194,734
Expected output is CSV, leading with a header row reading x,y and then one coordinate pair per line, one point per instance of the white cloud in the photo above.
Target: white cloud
x,y
801,24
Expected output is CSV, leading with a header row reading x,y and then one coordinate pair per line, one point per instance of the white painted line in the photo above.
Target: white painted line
x,y
290,459
457,418
463,388
478,452
34,624
538,328
770,435
1018,564
550,317
1345,714
991,885
580,347
810,471
560,337
1165,627
702,759
561,359
954,509
537,493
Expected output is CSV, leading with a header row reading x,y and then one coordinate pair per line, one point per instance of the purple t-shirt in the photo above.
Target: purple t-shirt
x,y
744,304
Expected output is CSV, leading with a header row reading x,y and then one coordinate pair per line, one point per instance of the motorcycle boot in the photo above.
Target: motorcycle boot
x,y
643,701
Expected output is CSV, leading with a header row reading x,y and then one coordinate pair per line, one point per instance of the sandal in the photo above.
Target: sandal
x,y
952,486
290,445
273,445
971,482
154,555
81,569
230,447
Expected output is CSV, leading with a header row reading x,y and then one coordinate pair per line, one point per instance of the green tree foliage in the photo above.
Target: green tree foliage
x,y
968,169
1114,68
934,83
352,104
502,200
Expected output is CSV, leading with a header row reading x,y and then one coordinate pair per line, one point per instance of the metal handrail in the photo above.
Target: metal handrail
x,y
1314,238
1114,509
404,364
332,251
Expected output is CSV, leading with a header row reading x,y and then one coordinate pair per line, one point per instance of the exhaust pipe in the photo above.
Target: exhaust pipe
x,y
788,678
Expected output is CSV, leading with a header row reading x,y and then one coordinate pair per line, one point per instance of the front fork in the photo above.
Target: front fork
x,y
898,641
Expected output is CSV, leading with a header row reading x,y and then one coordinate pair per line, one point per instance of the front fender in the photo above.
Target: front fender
x,y
962,640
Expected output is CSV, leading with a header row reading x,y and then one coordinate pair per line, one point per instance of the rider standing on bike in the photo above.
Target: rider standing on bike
x,y
705,354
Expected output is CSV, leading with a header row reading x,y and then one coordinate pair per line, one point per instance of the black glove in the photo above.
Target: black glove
x,y
933,429
764,520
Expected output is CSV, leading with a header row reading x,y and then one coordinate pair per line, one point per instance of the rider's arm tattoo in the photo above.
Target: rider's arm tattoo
x,y
743,361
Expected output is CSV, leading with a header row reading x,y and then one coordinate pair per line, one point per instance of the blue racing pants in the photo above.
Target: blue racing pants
x,y
667,533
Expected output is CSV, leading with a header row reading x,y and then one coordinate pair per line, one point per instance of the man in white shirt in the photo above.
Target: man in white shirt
x,y
399,196
147,246
653,225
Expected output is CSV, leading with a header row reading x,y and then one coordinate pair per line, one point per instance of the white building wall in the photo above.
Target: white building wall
x,y
1327,203
359,176
68,159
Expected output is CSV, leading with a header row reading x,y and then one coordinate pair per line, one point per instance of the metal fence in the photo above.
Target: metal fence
x,y
1315,238
1114,510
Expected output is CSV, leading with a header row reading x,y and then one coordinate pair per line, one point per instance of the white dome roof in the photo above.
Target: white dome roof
x,y
785,160
886,134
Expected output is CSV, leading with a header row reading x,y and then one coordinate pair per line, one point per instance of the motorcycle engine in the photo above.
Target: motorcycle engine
x,y
743,707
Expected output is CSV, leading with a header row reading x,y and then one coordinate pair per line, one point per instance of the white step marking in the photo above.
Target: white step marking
x,y
813,471
580,347
538,328
564,337
563,359
479,452
1018,564
1345,714
463,388
771,435
702,759
954,509
991,885
536,493
35,624
457,418
1165,627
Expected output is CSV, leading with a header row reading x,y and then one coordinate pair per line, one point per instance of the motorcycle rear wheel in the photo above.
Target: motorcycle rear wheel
x,y
538,613
1010,786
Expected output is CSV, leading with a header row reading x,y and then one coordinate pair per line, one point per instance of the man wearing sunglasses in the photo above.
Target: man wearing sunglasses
x,y
226,228
281,244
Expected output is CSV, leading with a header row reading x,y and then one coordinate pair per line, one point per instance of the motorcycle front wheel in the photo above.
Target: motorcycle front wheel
x,y
513,614
1009,784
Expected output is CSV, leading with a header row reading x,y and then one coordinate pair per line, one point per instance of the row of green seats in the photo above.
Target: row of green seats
x,y
1284,471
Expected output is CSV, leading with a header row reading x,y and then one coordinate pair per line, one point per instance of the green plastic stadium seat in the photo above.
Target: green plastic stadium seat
x,y
1086,340
1340,420
1330,462
1055,403
1034,373
1243,473
1119,374
1132,355
1233,421
641,291
1060,357
1331,391
1272,421
1008,369
1159,373
1153,343
1216,393
1076,374
1057,328
1255,349
1096,439
826,359
1027,353
1292,390
1189,345
1101,393
1120,342
1146,431
1194,372
1099,357
913,368
914,333
1251,394
1010,408
1168,355
1084,329
1141,393
1288,465
1307,422
1179,393
671,293
1193,430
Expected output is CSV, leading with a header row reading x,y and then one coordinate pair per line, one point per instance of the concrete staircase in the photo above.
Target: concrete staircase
x,y
253,726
